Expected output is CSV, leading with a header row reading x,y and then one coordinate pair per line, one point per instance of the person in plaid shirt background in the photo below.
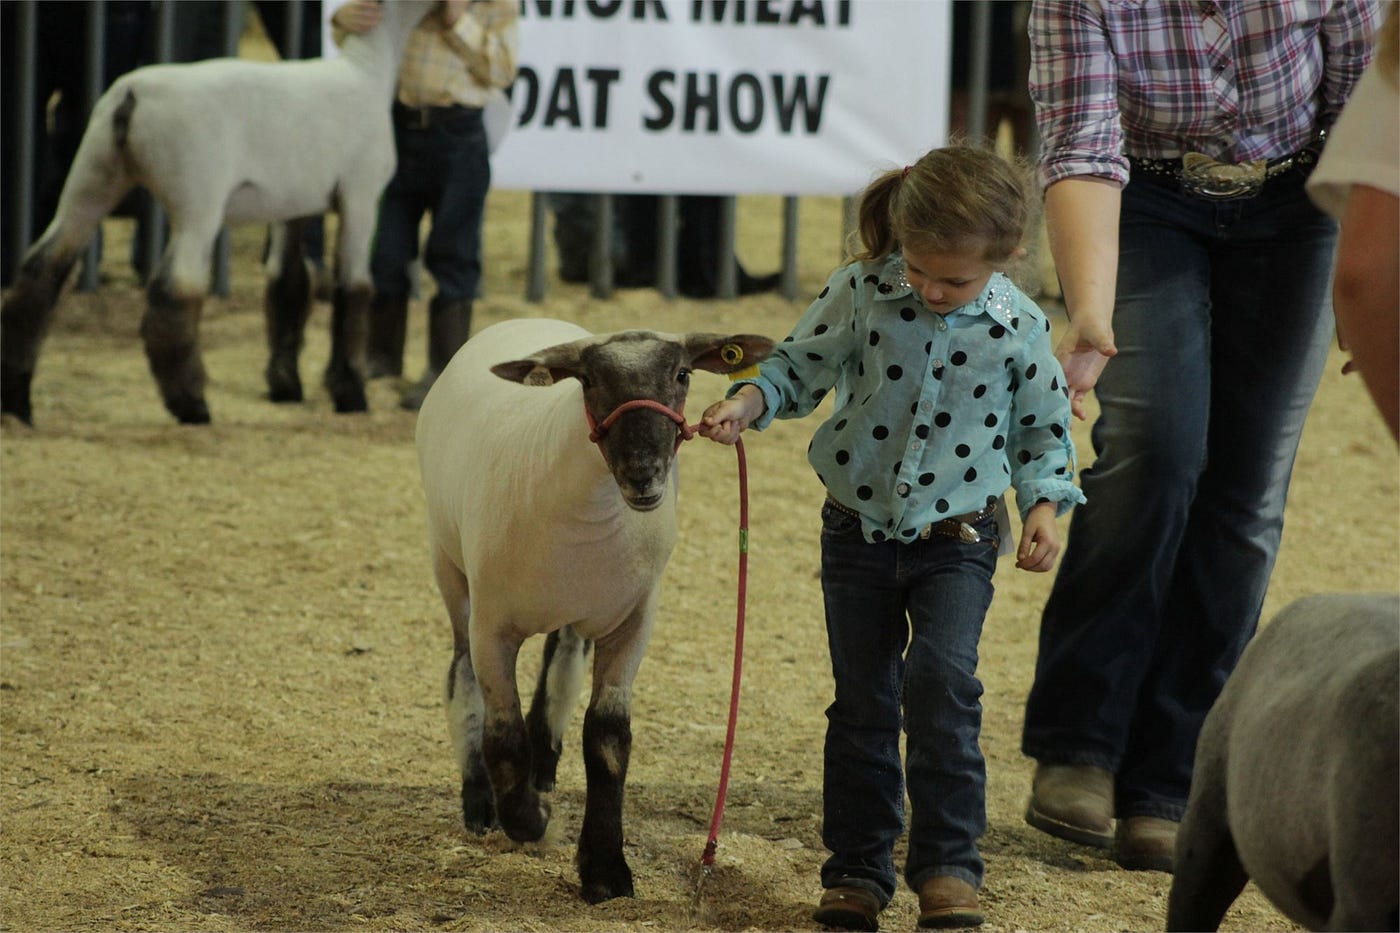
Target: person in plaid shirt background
x,y
463,55
1196,275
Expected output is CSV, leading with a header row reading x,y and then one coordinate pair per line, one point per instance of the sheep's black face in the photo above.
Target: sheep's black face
x,y
640,445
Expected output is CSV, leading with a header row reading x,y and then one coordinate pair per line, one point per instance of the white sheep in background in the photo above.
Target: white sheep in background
x,y
1297,776
534,530
228,141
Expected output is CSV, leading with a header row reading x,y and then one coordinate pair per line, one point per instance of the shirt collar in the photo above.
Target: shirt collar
x,y
997,299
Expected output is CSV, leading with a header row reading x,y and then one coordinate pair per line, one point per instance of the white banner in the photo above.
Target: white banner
x,y
723,96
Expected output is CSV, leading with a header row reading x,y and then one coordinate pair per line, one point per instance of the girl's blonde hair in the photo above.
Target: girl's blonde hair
x,y
953,199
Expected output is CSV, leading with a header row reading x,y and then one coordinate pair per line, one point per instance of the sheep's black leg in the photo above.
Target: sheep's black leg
x,y
464,717
170,330
345,378
287,304
1207,874
556,695
24,322
607,747
522,814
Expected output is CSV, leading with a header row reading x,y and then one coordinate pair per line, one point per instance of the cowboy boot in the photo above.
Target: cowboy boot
x,y
449,323
388,318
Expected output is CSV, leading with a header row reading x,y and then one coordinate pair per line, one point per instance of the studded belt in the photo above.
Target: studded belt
x,y
1201,176
963,527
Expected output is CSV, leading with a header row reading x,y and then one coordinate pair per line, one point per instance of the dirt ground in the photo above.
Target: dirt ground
x,y
221,652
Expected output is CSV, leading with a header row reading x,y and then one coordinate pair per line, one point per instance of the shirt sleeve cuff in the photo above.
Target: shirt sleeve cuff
x,y
1064,494
770,400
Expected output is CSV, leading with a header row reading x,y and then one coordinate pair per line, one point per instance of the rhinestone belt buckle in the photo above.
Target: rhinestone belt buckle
x,y
1204,177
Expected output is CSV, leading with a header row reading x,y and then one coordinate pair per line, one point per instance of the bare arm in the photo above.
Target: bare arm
x,y
1366,296
1081,216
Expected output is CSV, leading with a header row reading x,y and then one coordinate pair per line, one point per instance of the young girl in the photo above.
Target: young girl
x,y
946,392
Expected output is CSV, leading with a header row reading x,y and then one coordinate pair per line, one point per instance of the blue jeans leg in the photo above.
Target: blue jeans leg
x,y
1222,328
872,593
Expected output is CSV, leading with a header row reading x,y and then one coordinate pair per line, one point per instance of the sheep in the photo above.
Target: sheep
x,y
533,532
1296,778
228,141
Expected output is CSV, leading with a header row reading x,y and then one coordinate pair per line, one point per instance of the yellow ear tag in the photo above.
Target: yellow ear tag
x,y
733,355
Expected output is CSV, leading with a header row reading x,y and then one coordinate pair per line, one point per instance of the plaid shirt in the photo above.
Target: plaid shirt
x,y
467,64
1234,79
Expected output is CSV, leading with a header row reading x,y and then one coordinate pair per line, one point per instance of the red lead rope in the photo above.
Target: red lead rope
x,y
686,432
708,859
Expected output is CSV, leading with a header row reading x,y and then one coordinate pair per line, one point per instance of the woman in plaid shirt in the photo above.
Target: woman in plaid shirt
x,y
1177,138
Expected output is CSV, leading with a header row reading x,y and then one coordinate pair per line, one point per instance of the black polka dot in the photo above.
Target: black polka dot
x,y
820,329
979,391
894,373
941,505
958,358
998,442
1030,372
877,536
814,357
926,479
1006,363
871,279
992,500
1056,430
864,493
1027,421
843,457
997,332
897,465
884,288
818,395
860,369
839,426
908,313
792,374
853,281
928,348
962,450
921,432
1054,383
970,476
880,432
991,420
942,419
824,292
874,337
1024,456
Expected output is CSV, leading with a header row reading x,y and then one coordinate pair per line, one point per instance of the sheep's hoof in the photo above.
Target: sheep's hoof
x,y
604,882
14,394
283,384
189,410
350,399
523,815
478,809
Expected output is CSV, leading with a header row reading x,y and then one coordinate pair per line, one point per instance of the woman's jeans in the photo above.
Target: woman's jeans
x,y
877,597
444,169
1223,325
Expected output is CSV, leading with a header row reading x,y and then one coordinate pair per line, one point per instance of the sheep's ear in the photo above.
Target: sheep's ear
x,y
720,353
533,371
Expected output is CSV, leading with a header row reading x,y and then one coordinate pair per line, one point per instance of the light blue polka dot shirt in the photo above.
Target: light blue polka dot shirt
x,y
934,415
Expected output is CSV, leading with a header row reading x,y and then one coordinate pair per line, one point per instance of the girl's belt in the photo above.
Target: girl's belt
x,y
962,527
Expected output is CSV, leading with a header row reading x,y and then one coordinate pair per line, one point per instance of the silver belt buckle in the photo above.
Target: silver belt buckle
x,y
1204,177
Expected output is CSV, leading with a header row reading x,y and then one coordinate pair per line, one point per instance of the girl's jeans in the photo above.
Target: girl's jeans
x,y
877,597
1223,326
